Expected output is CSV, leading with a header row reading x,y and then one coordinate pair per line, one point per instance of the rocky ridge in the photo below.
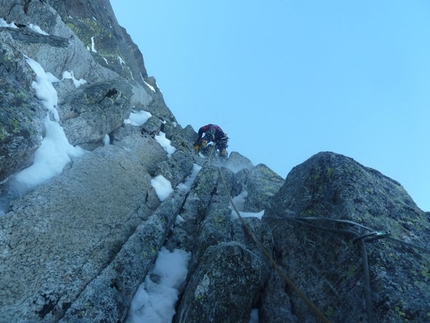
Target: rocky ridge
x,y
77,247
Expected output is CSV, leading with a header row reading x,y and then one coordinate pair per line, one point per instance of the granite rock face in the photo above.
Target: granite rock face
x,y
330,200
83,40
61,236
76,247
20,114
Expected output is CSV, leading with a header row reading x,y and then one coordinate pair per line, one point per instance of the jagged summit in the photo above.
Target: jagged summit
x,y
75,246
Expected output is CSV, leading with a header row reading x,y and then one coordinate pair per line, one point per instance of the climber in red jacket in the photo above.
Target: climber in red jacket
x,y
212,133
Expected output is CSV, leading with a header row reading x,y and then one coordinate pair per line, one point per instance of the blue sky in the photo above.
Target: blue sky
x,y
288,79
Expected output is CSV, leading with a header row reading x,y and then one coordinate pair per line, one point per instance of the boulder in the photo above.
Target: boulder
x,y
263,183
95,110
326,203
224,287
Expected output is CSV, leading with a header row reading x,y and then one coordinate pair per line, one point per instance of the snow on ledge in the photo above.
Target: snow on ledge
x,y
162,187
71,76
137,118
165,143
3,23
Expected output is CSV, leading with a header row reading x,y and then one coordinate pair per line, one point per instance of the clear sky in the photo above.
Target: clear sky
x,y
288,79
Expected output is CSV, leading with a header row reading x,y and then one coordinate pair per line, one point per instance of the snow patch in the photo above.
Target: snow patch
x,y
54,152
150,86
106,140
179,220
71,76
165,143
93,47
137,118
37,29
3,23
186,185
239,202
162,187
44,89
155,301
121,61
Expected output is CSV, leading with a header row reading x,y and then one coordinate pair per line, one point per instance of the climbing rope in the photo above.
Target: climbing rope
x,y
290,283
407,244
362,239
373,235
368,297
377,234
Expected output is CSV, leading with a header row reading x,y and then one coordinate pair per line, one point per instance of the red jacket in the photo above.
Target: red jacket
x,y
218,132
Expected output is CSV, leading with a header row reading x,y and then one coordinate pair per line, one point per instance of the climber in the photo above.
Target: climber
x,y
212,133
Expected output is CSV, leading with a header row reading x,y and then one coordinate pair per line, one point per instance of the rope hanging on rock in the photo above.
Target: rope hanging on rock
x,y
308,302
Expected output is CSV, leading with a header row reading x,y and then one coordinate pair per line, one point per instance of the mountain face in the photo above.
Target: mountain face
x,y
338,241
